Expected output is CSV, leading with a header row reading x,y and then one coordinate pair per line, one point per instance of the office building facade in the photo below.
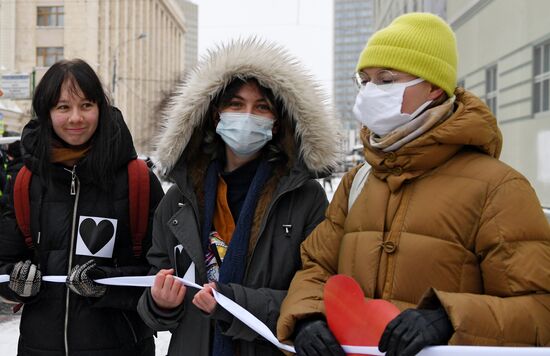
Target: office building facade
x,y
136,46
353,25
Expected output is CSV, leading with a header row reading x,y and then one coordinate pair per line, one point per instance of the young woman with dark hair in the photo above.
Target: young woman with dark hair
x,y
76,77
244,139
78,148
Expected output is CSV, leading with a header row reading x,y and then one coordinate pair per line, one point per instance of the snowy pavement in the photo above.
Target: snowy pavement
x,y
9,335
9,328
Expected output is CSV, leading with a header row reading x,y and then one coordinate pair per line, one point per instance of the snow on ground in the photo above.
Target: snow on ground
x,y
330,189
161,343
9,329
9,335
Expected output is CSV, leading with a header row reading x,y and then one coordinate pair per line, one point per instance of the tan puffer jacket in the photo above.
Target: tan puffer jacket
x,y
440,220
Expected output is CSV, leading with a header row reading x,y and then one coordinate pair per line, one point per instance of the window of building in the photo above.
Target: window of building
x,y
491,88
541,78
46,56
50,16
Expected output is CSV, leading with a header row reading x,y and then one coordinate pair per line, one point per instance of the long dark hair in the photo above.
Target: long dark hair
x,y
273,150
77,74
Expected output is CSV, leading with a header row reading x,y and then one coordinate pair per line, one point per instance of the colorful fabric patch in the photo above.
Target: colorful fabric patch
x,y
214,256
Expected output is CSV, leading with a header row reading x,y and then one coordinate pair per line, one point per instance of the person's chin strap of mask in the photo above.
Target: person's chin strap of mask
x,y
379,108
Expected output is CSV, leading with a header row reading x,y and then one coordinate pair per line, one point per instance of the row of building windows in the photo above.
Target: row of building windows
x,y
408,5
350,15
50,16
355,26
541,78
491,88
541,81
350,45
345,57
353,6
47,56
352,39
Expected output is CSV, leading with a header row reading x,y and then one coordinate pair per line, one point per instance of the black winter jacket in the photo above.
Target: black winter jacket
x,y
58,321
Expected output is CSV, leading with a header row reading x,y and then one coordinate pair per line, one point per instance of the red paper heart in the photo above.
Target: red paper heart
x,y
352,319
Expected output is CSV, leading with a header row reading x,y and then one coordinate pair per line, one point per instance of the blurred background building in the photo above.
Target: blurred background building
x,y
387,10
504,58
353,25
138,47
191,12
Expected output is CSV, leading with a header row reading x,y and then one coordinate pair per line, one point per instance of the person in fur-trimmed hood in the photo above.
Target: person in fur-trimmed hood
x,y
244,137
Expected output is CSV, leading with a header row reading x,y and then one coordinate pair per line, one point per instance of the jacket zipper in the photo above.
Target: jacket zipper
x,y
75,191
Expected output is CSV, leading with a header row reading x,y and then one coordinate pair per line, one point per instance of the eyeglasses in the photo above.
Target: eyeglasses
x,y
383,79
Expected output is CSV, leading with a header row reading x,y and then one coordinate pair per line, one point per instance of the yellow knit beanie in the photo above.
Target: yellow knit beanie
x,y
421,44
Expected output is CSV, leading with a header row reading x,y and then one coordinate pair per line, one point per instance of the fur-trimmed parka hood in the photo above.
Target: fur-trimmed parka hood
x,y
314,127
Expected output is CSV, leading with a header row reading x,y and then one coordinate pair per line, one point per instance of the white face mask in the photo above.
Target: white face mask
x,y
379,108
244,133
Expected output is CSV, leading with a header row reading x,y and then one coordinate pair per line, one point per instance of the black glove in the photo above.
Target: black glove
x,y
414,329
25,279
313,338
81,280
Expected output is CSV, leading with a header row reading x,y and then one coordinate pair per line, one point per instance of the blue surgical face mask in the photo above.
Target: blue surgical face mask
x,y
244,133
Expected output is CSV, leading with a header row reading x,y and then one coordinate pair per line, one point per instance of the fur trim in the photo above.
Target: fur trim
x,y
315,126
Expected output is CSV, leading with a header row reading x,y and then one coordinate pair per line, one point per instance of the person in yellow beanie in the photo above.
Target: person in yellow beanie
x,y
453,237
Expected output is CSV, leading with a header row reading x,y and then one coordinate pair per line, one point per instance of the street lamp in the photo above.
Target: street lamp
x,y
115,59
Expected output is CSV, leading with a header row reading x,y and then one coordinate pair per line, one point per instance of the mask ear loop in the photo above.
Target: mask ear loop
x,y
421,108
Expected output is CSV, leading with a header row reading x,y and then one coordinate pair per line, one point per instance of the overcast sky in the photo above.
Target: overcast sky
x,y
304,27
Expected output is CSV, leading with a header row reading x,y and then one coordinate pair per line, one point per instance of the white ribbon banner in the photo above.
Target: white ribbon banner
x,y
252,322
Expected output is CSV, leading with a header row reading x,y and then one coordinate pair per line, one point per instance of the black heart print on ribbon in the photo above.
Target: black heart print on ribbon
x,y
96,236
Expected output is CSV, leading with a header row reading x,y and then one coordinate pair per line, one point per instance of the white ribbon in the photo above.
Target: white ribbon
x,y
252,322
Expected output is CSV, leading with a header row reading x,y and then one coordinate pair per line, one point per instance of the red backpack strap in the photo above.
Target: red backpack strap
x,y
138,196
21,203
